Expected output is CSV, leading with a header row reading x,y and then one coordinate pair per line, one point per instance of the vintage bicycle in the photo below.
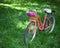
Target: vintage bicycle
x,y
46,26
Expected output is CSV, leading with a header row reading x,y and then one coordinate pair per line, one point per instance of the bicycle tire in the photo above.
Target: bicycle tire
x,y
28,33
52,19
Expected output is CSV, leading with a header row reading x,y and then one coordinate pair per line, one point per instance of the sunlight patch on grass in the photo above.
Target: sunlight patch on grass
x,y
5,4
22,25
10,4
41,11
14,7
18,6
29,3
26,23
19,24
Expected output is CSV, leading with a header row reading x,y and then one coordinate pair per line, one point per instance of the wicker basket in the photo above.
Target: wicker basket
x,y
36,18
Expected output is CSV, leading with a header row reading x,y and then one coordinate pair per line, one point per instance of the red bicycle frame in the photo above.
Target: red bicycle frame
x,y
37,20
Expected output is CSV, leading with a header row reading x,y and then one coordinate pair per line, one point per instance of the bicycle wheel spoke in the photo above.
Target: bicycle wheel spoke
x,y
30,33
50,23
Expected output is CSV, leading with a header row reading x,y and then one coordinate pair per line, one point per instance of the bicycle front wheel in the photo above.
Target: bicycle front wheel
x,y
30,33
49,24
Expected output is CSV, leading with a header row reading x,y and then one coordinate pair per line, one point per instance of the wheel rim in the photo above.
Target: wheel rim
x,y
51,24
30,33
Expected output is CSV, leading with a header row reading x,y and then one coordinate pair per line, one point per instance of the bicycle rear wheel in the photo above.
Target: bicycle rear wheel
x,y
30,33
49,24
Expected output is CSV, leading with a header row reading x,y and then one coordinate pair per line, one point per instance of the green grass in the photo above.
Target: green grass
x,y
13,21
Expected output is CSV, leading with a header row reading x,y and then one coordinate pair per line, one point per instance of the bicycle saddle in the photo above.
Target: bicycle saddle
x,y
46,10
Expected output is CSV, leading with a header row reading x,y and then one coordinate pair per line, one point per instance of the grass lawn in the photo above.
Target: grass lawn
x,y
13,21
